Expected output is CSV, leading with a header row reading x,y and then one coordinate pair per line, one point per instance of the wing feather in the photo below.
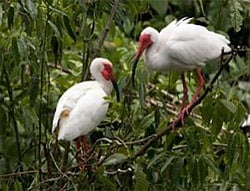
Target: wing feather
x,y
69,99
87,113
191,44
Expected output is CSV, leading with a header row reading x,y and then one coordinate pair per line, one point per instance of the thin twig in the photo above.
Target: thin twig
x,y
59,67
19,173
140,141
12,117
198,101
108,24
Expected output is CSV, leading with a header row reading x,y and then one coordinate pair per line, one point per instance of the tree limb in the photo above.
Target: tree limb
x,y
108,24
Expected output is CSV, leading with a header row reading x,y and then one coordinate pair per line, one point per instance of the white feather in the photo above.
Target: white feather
x,y
182,46
87,109
83,106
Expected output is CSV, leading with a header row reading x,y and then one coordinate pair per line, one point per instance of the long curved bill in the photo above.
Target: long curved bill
x,y
134,64
116,90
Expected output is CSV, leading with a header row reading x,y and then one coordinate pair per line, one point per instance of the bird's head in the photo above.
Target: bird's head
x,y
146,39
102,70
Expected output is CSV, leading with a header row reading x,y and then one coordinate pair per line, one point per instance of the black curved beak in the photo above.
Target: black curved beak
x,y
116,90
134,64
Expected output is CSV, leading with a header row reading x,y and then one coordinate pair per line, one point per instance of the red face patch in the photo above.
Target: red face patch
x,y
107,72
145,40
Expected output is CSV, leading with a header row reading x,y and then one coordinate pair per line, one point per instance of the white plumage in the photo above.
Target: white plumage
x,y
83,106
180,46
87,109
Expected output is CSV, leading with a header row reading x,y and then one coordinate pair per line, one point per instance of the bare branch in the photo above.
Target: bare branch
x,y
59,67
108,24
19,173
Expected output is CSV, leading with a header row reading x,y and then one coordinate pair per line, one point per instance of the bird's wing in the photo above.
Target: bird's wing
x,y
89,111
69,99
192,45
167,31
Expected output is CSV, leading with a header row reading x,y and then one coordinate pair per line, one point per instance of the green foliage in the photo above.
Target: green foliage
x,y
47,46
236,17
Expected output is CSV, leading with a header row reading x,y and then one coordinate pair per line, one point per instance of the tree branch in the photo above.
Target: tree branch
x,y
177,123
107,27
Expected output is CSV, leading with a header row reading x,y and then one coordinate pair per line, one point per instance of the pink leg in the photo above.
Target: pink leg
x,y
184,100
85,144
198,90
185,91
79,153
78,147
185,110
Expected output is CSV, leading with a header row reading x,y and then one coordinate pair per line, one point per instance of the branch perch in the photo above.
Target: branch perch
x,y
198,101
108,24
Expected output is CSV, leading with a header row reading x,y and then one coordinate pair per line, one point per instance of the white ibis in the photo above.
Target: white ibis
x,y
83,106
180,46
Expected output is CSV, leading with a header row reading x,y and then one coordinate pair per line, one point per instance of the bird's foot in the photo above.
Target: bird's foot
x,y
183,113
81,167
174,124
180,120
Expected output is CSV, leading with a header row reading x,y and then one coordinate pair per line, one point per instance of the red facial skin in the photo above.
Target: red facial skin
x,y
107,72
145,41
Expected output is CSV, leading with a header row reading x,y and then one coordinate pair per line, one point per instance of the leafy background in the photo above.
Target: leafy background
x,y
47,46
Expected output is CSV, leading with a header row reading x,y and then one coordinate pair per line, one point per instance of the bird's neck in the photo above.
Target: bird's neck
x,y
107,86
152,57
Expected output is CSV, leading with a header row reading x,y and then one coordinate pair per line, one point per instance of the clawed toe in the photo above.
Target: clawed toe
x,y
181,117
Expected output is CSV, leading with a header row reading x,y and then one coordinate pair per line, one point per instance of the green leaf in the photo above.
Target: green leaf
x,y
211,164
115,159
147,121
235,14
141,182
167,163
15,51
157,117
155,159
22,47
141,93
206,109
18,185
54,28
34,89
68,27
10,17
229,105
57,10
159,5
203,170
176,171
32,8
194,171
